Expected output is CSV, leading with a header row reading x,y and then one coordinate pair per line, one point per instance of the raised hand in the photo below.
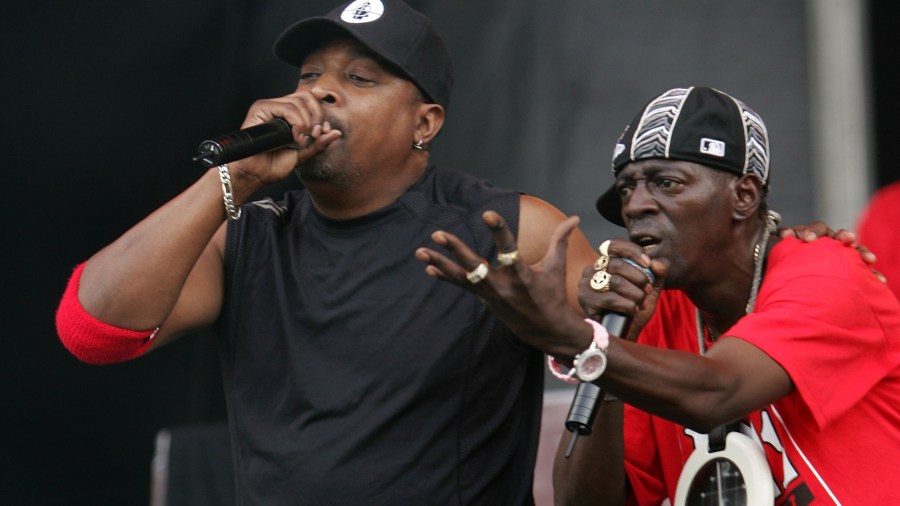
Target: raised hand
x,y
311,129
622,288
531,300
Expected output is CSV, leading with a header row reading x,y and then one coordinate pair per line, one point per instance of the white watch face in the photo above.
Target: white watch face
x,y
590,364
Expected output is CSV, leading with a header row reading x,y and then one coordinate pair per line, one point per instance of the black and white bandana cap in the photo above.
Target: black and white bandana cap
x,y
695,124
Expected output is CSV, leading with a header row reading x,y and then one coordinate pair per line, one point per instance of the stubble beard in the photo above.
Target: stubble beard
x,y
333,168
676,275
316,170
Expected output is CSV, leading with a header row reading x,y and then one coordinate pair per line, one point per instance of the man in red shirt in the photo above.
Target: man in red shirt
x,y
877,229
796,345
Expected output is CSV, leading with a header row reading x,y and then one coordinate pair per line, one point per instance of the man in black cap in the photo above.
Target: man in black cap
x,y
756,369
351,377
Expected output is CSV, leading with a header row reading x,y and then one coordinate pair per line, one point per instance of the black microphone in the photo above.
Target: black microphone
x,y
273,134
583,409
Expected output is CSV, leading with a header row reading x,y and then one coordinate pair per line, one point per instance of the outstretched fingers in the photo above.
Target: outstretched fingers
x,y
507,249
463,271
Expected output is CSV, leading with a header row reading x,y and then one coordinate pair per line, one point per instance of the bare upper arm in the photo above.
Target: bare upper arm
x,y
537,221
200,300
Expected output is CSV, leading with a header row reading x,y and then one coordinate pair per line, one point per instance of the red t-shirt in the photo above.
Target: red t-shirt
x,y
835,329
878,229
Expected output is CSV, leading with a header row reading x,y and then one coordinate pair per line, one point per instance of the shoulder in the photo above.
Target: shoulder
x,y
537,220
469,193
537,214
824,278
445,194
886,199
794,258
878,220
463,183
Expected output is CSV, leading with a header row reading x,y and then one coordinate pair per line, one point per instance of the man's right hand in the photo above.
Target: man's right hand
x,y
628,292
311,130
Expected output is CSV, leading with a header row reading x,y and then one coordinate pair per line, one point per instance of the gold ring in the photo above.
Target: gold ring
x,y
508,258
604,248
601,263
477,274
600,281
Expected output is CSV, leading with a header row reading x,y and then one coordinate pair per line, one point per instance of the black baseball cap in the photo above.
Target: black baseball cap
x,y
695,124
391,29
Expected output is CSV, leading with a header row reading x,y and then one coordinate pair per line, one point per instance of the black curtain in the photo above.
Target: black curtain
x,y
885,102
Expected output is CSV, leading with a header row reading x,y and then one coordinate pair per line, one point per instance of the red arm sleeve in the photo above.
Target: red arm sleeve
x,y
92,340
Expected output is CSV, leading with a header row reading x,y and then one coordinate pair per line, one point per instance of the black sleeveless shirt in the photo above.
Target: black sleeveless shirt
x,y
352,377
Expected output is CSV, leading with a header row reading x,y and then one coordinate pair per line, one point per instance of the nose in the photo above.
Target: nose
x,y
324,93
325,89
325,96
639,202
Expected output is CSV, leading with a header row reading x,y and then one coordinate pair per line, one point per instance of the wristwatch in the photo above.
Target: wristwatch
x,y
591,363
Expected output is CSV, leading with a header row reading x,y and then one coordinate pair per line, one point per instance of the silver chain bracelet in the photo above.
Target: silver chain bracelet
x,y
227,196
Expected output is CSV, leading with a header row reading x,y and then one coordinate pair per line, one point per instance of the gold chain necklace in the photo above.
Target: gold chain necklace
x,y
772,220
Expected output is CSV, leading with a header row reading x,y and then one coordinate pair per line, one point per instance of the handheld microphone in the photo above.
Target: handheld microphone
x,y
583,409
273,134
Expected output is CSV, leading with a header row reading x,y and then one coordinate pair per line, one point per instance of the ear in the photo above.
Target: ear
x,y
747,191
431,119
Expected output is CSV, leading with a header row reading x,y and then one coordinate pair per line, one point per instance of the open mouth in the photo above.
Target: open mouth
x,y
647,242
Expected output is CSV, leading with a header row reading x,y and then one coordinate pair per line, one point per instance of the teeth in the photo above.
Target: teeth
x,y
647,243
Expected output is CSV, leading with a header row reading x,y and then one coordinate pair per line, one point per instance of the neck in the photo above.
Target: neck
x,y
734,295
365,195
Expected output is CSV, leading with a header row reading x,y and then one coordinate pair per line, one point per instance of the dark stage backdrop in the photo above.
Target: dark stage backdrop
x,y
104,103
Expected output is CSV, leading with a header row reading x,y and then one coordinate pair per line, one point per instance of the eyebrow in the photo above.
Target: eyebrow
x,y
647,171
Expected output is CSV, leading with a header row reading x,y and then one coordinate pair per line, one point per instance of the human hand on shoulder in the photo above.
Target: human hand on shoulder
x,y
819,229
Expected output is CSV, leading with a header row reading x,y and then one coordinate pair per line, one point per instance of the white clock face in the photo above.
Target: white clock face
x,y
591,365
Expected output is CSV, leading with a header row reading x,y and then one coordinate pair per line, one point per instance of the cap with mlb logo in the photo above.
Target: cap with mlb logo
x,y
696,124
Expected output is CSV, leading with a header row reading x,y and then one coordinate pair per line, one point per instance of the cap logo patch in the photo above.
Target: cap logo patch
x,y
712,147
618,151
362,11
